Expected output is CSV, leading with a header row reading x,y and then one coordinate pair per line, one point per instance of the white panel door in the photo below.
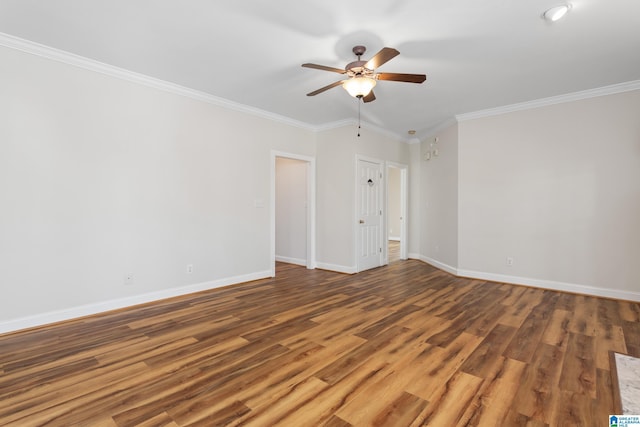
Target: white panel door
x,y
369,211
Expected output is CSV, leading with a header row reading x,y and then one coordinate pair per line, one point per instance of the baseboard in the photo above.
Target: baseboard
x,y
96,308
14,325
552,285
535,283
394,239
337,268
440,265
289,260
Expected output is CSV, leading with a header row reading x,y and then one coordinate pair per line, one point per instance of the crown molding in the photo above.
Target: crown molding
x,y
432,131
65,57
62,56
365,125
334,125
385,132
72,59
543,102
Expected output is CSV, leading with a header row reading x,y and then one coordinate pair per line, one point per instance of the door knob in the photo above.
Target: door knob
x,y
362,221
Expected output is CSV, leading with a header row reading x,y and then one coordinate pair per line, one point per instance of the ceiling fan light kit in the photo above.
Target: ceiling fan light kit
x,y
359,86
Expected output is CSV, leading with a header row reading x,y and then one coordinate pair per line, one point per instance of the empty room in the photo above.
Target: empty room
x,y
313,213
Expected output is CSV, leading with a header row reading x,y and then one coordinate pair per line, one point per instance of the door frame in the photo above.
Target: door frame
x,y
404,207
311,208
356,211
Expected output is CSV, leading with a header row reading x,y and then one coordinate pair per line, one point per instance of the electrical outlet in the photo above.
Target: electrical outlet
x,y
189,268
128,279
509,261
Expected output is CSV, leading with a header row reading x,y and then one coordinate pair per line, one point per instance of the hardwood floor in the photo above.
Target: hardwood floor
x,y
393,251
402,345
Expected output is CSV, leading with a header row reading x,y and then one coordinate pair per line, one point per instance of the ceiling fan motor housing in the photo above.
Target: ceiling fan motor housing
x,y
357,68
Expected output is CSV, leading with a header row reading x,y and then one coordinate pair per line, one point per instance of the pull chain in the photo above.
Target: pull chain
x,y
359,102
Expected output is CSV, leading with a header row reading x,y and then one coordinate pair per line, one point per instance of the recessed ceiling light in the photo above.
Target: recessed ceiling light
x,y
556,13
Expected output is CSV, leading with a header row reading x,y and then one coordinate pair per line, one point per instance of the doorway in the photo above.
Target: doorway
x,y
292,210
397,197
370,250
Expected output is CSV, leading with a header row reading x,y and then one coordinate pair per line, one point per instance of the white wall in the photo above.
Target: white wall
x,y
415,220
100,177
291,211
336,171
439,199
558,189
394,211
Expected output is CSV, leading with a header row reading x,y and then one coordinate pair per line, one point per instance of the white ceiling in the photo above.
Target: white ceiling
x,y
476,54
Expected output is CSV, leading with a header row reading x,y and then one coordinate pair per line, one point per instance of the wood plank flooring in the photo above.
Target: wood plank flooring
x,y
402,345
393,250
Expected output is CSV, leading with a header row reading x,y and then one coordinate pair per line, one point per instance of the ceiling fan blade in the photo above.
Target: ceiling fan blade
x,y
385,54
327,87
325,68
369,98
399,77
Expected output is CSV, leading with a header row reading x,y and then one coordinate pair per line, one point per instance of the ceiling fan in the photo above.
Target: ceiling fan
x,y
362,76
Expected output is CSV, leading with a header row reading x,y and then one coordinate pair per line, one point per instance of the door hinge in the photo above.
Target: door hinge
x,y
380,175
380,212
380,250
